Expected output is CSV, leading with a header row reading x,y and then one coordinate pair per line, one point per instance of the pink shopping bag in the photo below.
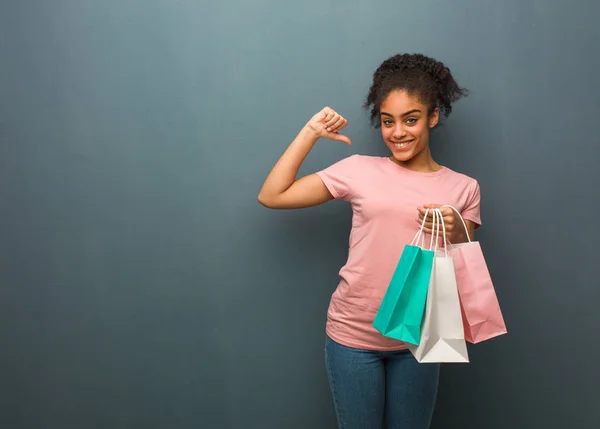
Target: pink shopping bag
x,y
482,317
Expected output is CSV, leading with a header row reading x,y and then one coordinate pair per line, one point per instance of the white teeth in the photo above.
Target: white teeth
x,y
401,145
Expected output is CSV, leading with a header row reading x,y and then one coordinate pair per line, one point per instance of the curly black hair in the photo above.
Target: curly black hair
x,y
419,75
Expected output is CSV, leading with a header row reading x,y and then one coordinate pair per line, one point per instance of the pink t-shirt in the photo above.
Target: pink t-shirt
x,y
384,198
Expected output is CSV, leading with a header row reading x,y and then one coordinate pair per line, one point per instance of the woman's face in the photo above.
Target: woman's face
x,y
406,124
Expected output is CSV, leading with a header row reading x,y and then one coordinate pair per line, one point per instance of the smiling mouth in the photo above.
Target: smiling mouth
x,y
402,145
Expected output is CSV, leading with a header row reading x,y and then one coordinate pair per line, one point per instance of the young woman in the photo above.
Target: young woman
x,y
375,380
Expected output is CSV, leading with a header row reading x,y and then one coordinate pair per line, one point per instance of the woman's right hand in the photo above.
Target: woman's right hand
x,y
282,190
327,124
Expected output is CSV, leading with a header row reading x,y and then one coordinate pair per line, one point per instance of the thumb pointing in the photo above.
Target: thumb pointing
x,y
342,138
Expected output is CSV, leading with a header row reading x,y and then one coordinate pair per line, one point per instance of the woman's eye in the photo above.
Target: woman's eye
x,y
411,121
387,122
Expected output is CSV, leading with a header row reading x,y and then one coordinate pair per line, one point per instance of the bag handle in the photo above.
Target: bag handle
x,y
437,221
419,233
440,221
462,220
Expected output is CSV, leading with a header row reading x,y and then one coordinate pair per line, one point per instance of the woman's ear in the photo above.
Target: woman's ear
x,y
434,117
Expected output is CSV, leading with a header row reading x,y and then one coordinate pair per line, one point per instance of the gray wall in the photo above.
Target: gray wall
x,y
142,285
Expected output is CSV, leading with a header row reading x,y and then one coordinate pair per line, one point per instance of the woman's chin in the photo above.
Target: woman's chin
x,y
402,156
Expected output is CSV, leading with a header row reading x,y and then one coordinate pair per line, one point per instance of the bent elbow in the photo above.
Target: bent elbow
x,y
264,201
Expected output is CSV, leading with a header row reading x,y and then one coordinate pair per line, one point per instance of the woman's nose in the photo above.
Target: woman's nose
x,y
399,132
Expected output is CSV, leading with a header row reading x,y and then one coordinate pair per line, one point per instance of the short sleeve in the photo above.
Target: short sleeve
x,y
472,209
339,178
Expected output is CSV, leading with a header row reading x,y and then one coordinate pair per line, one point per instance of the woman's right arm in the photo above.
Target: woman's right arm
x,y
281,189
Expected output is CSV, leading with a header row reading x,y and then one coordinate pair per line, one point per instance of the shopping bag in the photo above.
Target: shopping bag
x,y
481,312
400,313
442,335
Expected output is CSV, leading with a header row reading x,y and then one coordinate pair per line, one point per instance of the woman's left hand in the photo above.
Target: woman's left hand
x,y
455,231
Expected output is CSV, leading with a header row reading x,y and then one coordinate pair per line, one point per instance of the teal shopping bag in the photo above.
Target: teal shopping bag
x,y
403,306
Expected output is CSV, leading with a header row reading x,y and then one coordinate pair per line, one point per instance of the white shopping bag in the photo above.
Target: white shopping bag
x,y
442,333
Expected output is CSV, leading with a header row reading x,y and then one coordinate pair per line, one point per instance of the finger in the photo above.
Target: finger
x,y
425,209
432,231
421,213
329,114
449,218
332,121
428,226
337,125
341,124
446,211
341,138
428,220
421,216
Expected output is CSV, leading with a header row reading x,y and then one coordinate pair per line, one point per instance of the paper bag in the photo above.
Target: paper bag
x,y
400,314
481,312
442,334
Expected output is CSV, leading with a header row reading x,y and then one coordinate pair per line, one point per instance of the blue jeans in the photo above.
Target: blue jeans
x,y
374,389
